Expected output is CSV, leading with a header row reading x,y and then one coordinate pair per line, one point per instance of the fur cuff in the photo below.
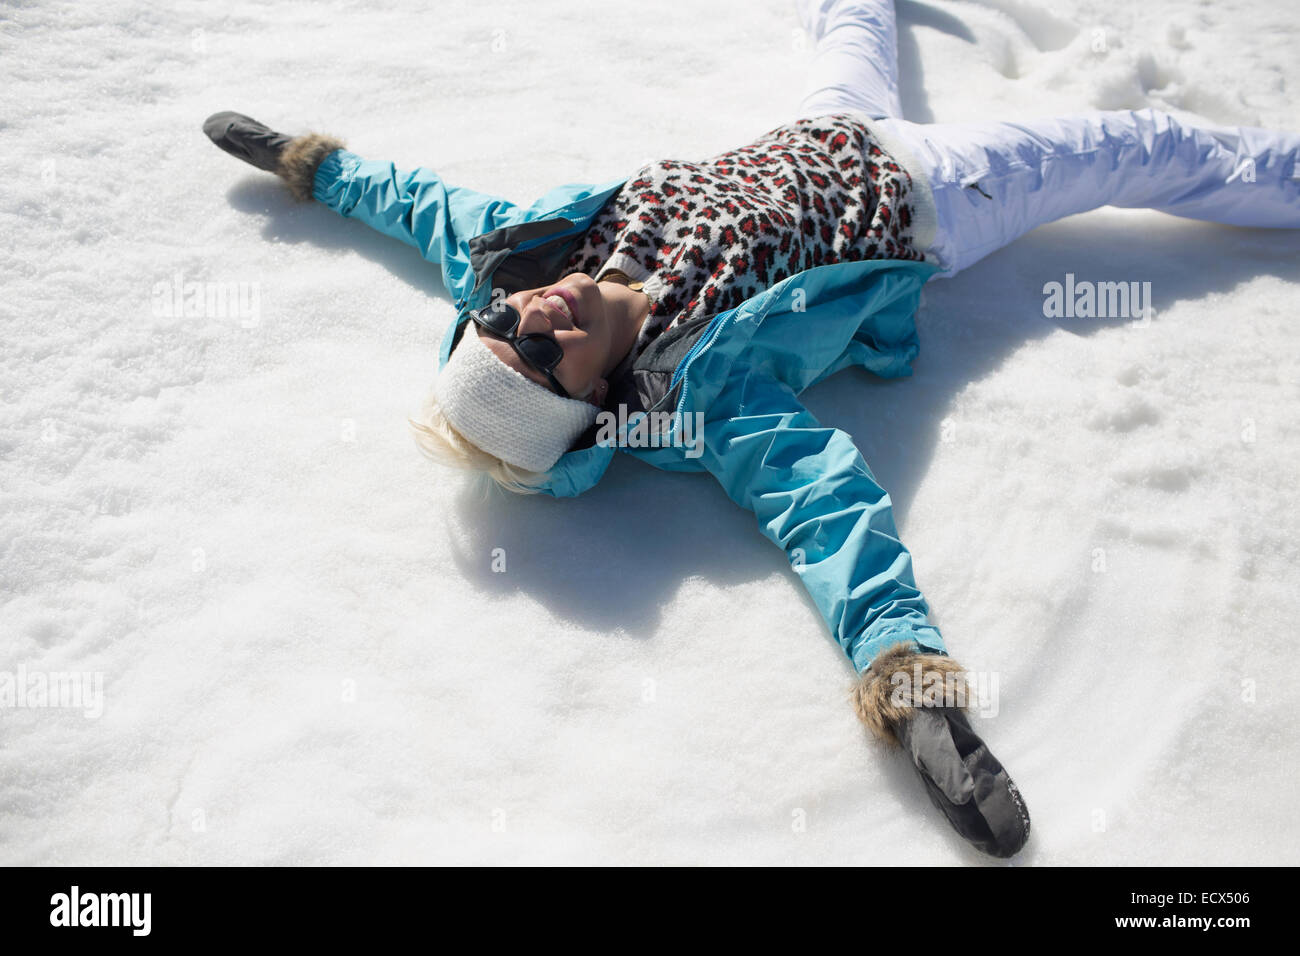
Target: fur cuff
x,y
902,678
300,159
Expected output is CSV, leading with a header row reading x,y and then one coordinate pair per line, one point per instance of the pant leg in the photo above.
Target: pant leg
x,y
855,58
993,182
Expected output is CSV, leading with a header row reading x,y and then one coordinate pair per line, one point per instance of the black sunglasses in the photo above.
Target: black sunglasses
x,y
538,349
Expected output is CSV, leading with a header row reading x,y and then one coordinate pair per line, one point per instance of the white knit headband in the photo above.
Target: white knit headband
x,y
504,412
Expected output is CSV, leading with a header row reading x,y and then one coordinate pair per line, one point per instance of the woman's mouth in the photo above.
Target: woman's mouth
x,y
565,301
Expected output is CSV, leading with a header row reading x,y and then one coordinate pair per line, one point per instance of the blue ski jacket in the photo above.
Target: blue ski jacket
x,y
741,370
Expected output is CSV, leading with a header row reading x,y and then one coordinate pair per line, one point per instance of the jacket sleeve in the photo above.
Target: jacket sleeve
x,y
416,206
815,497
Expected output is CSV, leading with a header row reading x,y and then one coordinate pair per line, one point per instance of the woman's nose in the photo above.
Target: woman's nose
x,y
534,319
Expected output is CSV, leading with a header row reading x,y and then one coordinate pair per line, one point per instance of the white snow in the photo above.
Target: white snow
x,y
305,652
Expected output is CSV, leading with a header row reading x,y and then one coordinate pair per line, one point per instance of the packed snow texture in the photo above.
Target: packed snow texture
x,y
307,655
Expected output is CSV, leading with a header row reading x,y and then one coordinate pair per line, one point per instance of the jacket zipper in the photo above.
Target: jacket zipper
x,y
705,342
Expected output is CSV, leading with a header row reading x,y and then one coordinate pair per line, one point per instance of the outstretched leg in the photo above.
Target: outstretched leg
x,y
855,59
993,182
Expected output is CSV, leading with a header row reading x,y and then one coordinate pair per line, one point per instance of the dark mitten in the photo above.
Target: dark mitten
x,y
964,780
961,776
245,138
294,159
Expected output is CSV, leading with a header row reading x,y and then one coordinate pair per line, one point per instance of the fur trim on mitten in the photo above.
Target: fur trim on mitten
x,y
902,678
300,159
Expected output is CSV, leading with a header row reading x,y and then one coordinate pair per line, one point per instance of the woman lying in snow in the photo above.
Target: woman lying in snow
x,y
712,293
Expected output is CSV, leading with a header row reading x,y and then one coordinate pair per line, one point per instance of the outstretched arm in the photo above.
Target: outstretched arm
x,y
415,206
815,497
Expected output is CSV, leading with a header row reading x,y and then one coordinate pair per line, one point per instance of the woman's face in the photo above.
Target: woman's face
x,y
589,320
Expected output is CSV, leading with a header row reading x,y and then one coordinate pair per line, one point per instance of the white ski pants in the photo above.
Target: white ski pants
x,y
993,182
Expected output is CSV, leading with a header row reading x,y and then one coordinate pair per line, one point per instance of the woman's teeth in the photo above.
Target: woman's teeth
x,y
560,304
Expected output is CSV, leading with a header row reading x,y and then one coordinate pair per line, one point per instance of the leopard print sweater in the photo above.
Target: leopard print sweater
x,y
705,236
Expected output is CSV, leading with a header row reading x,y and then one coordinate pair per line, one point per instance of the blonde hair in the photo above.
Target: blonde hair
x,y
440,440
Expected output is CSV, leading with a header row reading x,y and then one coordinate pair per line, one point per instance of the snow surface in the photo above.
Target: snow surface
x,y
306,654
